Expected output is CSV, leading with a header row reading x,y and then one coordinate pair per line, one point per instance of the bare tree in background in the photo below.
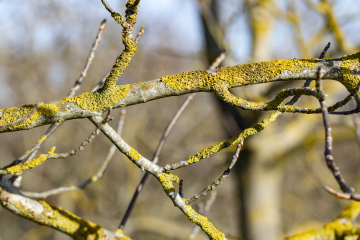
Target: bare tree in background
x,y
106,96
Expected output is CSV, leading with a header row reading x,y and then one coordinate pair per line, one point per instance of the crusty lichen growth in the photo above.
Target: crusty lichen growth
x,y
204,223
43,138
350,212
133,154
234,140
95,101
66,222
128,40
52,151
132,7
350,68
246,74
340,228
167,180
28,165
14,114
49,110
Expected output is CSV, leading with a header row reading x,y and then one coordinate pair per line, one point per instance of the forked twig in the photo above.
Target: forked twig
x,y
102,81
93,178
328,147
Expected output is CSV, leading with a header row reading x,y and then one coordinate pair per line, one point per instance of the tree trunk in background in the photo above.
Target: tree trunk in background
x,y
259,176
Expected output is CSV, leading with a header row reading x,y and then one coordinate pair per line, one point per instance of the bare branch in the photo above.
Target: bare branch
x,y
89,60
328,144
107,6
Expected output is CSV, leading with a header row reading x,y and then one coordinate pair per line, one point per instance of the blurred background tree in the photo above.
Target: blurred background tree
x,y
277,188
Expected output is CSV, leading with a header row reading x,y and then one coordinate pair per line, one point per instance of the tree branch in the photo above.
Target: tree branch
x,y
343,70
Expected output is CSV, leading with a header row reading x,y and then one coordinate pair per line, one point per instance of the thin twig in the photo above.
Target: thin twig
x,y
218,60
181,188
107,6
322,55
346,112
328,143
337,194
32,152
155,158
20,167
78,149
140,33
221,179
93,178
356,120
35,108
89,60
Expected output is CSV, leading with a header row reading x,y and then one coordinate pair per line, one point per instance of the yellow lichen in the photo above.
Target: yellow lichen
x,y
234,140
350,67
167,180
95,101
204,223
132,8
244,74
42,139
94,178
133,154
52,150
49,110
340,228
119,231
69,223
28,165
11,115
